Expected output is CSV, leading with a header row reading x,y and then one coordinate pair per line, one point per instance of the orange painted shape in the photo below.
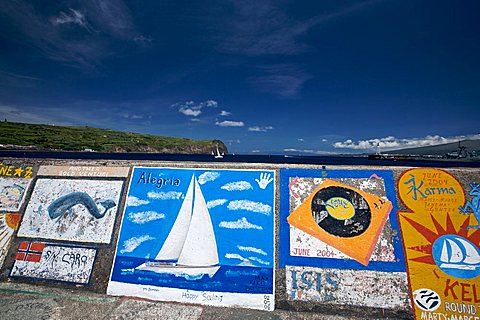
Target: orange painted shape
x,y
13,220
359,247
431,190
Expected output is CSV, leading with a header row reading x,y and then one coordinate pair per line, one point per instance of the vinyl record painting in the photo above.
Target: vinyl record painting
x,y
343,217
341,212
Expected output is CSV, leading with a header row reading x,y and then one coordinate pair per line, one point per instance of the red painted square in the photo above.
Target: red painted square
x,y
23,245
34,257
20,256
37,246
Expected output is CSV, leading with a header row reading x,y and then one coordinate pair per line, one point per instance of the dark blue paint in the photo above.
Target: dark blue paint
x,y
60,206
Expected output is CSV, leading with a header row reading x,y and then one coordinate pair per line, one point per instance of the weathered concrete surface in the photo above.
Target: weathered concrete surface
x,y
24,301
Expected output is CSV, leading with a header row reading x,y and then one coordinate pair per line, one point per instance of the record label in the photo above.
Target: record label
x,y
341,212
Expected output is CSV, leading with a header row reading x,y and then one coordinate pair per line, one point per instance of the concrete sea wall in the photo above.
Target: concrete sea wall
x,y
379,240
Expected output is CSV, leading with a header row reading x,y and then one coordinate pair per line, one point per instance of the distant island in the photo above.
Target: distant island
x,y
462,150
24,136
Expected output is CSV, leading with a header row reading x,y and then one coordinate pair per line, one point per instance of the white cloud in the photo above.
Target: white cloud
x,y
252,249
236,256
208,176
225,113
237,186
133,243
228,123
164,195
250,206
324,140
210,103
192,109
133,201
260,129
215,203
239,224
74,17
392,143
259,260
300,139
144,216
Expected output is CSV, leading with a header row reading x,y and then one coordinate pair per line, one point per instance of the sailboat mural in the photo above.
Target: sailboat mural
x,y
457,256
190,248
198,236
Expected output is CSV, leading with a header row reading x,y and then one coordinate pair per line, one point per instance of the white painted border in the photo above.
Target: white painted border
x,y
228,299
248,300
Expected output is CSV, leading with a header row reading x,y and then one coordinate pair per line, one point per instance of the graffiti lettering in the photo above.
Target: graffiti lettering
x,y
189,296
466,291
416,189
260,281
75,260
158,182
301,252
460,307
211,297
325,253
433,316
15,171
51,257
312,279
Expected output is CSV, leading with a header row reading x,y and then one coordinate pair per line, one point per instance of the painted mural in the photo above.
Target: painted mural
x,y
8,224
347,287
46,261
339,219
72,210
441,238
14,183
198,236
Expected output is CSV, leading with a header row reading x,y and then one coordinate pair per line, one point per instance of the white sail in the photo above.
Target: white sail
x,y
444,255
174,243
456,254
200,248
191,241
472,256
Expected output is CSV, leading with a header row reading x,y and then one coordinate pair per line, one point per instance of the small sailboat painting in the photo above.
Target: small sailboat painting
x,y
190,249
199,236
457,256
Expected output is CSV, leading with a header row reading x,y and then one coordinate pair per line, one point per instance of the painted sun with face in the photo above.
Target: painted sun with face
x,y
11,196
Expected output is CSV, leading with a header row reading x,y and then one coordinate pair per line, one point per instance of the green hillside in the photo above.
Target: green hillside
x,y
51,137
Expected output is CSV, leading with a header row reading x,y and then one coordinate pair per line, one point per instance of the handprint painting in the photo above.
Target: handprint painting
x,y
198,236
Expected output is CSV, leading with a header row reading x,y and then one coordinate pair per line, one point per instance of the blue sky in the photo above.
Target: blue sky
x,y
312,77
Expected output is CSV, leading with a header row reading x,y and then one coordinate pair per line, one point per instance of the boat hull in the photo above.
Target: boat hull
x,y
179,270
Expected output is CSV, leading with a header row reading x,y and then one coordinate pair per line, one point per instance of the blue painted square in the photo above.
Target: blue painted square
x,y
322,257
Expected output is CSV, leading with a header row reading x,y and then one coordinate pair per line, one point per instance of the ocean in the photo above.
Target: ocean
x,y
237,279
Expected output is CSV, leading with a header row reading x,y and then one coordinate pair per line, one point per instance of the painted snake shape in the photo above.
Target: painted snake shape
x,y
66,202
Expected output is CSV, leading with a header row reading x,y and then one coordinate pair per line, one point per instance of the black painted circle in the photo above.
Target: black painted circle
x,y
348,228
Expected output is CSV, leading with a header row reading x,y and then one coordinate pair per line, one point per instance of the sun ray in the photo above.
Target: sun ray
x,y
425,248
431,236
425,232
438,226
450,227
425,259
